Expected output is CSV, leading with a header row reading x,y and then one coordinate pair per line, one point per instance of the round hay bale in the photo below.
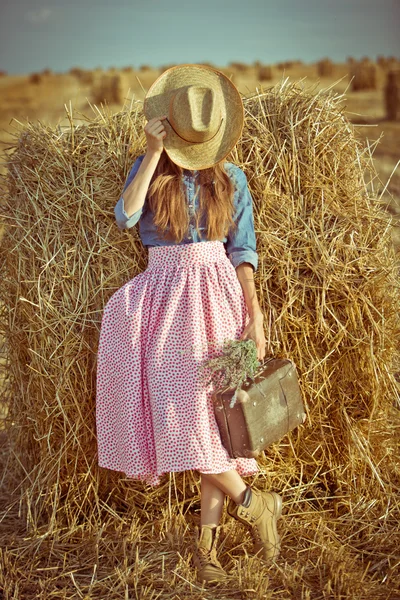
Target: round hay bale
x,y
239,66
264,73
325,67
328,286
289,64
76,71
35,78
382,61
108,89
364,76
83,76
232,75
392,95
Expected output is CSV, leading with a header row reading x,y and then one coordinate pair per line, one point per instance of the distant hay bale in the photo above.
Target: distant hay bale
x,y
83,76
145,68
76,71
289,64
392,95
329,289
325,67
264,73
364,74
35,78
382,61
239,66
127,69
231,75
166,67
393,64
108,89
87,78
3,73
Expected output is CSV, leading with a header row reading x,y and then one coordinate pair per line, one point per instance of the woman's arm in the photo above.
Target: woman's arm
x,y
255,328
135,193
242,251
244,272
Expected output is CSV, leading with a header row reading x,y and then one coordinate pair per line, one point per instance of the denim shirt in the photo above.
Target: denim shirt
x,y
239,244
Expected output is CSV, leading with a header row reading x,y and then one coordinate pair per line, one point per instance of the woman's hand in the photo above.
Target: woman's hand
x,y
155,133
254,330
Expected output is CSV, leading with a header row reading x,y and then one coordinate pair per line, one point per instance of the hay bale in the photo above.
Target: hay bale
x,y
166,67
35,78
264,73
83,76
108,89
382,61
328,286
76,72
325,67
364,75
239,66
232,75
288,64
392,95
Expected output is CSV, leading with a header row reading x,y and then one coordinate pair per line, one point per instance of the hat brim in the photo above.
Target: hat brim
x,y
186,154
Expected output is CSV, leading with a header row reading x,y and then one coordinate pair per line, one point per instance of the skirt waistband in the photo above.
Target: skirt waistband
x,y
204,252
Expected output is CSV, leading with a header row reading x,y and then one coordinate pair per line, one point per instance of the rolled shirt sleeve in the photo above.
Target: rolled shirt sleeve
x,y
241,243
121,217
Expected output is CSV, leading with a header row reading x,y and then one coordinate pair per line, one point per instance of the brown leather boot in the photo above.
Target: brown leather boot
x,y
205,555
260,510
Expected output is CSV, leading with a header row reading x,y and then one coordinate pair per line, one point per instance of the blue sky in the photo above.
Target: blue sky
x,y
60,34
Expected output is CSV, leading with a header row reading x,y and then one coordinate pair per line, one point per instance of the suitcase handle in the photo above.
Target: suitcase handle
x,y
267,360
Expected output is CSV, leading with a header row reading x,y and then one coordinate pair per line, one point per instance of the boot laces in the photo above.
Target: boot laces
x,y
256,534
259,540
207,557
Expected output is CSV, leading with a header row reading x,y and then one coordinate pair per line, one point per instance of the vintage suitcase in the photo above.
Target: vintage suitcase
x,y
265,409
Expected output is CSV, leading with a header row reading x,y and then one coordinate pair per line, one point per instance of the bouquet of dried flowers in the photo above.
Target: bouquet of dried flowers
x,y
237,362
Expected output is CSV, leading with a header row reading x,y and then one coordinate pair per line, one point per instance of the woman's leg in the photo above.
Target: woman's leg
x,y
214,487
205,555
229,482
211,502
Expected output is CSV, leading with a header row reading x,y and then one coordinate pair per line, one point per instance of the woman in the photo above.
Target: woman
x,y
195,216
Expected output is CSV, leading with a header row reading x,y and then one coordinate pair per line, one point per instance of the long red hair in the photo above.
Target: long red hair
x,y
166,197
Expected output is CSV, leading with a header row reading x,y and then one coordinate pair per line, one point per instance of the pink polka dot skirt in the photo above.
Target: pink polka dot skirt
x,y
153,414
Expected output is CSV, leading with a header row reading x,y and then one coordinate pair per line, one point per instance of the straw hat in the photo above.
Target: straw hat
x,y
205,114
